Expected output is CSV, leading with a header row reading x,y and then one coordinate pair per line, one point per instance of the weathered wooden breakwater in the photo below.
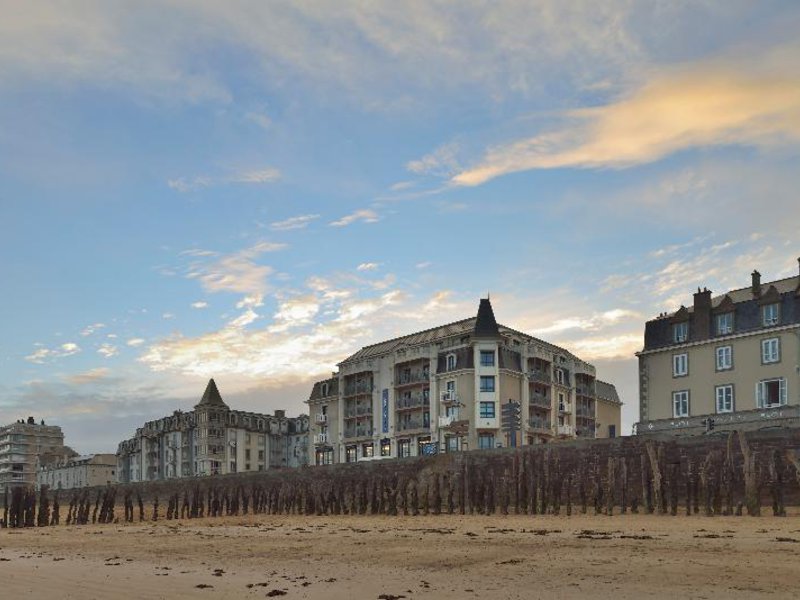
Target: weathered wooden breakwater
x,y
729,474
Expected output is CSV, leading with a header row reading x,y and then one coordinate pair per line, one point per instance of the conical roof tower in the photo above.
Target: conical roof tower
x,y
485,323
211,397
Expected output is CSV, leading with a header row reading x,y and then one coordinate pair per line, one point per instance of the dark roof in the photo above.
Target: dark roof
x,y
211,396
607,391
485,323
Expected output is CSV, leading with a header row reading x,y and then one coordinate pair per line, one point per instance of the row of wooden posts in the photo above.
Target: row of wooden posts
x,y
727,480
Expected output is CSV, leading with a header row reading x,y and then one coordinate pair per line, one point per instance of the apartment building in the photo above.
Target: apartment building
x,y
212,439
77,472
726,361
443,390
24,446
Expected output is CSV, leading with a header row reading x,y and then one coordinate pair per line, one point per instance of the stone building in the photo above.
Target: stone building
x,y
79,471
212,439
726,361
24,446
445,389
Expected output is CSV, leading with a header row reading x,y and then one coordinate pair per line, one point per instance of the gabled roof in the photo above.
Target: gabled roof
x,y
211,396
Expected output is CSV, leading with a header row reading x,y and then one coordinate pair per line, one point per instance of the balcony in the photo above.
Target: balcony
x,y
539,375
449,397
411,424
447,421
320,438
539,425
585,412
583,389
565,407
358,411
540,400
320,418
358,432
356,389
411,402
412,378
565,430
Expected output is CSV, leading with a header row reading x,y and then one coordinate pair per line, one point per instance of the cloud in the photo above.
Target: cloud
x,y
167,316
364,215
199,304
135,342
259,118
256,176
42,354
108,350
368,266
441,162
88,377
90,329
753,102
298,222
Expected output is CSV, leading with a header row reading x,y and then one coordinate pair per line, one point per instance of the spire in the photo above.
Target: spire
x,y
211,396
485,323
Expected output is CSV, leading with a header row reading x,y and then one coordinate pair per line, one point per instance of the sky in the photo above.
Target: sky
x,y
251,191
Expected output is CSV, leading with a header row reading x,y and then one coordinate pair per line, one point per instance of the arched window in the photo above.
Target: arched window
x,y
451,362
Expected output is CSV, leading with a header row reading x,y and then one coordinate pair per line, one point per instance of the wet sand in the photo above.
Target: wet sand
x,y
628,556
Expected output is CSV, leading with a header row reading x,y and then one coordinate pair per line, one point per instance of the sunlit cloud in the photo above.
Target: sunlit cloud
x,y
90,329
255,176
42,354
87,377
135,342
367,266
298,222
107,350
364,215
199,304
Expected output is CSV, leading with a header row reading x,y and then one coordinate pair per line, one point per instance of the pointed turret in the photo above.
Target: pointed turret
x,y
485,324
211,396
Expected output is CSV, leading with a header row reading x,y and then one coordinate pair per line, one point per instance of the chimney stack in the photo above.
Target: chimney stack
x,y
701,329
756,286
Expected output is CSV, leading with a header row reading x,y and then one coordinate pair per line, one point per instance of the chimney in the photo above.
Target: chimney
x,y
756,286
701,329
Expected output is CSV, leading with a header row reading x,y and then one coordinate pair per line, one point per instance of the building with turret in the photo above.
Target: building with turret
x,y
212,439
461,386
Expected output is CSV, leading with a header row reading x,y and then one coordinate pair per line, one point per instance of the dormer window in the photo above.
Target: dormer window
x,y
770,314
680,332
451,362
724,323
324,389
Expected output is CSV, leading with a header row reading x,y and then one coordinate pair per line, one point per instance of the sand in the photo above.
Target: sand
x,y
630,556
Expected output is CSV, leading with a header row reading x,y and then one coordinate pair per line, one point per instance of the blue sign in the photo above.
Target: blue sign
x,y
385,411
430,449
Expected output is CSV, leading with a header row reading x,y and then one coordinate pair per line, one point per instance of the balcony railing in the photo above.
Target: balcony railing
x,y
539,375
358,411
565,430
415,401
321,418
540,425
541,400
585,412
321,438
357,432
413,377
448,397
447,421
354,389
412,424
583,389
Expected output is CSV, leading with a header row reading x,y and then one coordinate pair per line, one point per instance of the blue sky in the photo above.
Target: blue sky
x,y
253,190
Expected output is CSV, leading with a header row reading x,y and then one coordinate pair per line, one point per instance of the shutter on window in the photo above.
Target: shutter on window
x,y
759,395
783,391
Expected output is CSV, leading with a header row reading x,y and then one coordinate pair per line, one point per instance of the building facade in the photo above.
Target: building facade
x,y
727,361
24,446
77,472
212,439
444,390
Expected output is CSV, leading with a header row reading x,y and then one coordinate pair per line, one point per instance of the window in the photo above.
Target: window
x,y
724,358
351,453
724,394
487,410
324,389
680,365
404,448
559,376
367,451
386,447
562,404
724,323
771,392
680,404
451,443
770,314
680,332
247,454
487,383
612,431
770,351
487,358
486,441
451,362
260,455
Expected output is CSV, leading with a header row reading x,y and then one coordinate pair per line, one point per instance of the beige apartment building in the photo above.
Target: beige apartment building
x,y
444,389
727,361
24,447
212,439
77,472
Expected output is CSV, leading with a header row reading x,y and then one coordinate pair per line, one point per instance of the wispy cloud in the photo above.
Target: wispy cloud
x,y
108,350
42,354
442,162
135,342
364,215
199,304
298,222
367,266
88,377
90,329
254,176
753,102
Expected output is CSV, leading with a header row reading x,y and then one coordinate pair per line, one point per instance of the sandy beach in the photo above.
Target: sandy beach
x,y
630,556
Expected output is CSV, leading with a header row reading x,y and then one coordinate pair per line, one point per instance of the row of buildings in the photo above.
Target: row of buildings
x,y
731,360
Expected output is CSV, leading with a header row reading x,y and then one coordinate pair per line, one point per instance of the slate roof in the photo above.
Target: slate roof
x,y
745,294
211,397
485,323
607,391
